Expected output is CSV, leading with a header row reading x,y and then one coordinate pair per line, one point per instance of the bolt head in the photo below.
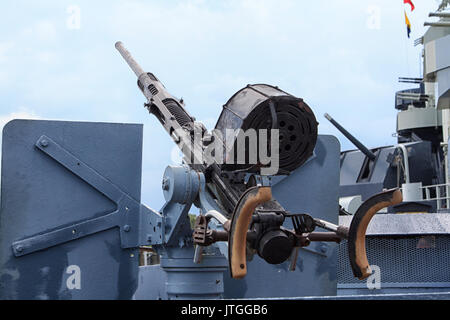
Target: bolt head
x,y
126,228
165,184
44,143
19,248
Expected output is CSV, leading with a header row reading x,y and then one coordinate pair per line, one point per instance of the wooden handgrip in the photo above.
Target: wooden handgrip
x,y
240,221
358,227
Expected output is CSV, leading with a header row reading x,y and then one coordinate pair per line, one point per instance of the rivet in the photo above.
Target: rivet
x,y
44,143
126,228
165,184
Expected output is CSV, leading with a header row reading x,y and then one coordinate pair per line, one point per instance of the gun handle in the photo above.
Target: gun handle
x,y
358,227
240,221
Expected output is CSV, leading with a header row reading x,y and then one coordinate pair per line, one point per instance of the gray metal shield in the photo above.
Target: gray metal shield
x,y
70,193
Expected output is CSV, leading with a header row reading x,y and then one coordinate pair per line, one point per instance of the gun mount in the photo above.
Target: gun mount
x,y
253,220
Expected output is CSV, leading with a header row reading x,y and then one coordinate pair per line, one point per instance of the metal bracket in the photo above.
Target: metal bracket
x,y
130,216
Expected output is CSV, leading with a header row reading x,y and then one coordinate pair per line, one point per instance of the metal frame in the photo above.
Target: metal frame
x,y
127,215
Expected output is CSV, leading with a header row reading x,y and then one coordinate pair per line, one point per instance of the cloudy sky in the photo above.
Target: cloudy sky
x,y
58,61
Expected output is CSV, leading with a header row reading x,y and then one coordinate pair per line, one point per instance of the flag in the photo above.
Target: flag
x,y
410,3
408,24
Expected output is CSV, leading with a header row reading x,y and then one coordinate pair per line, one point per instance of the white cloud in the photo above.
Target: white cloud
x,y
22,113
220,85
47,57
43,30
5,47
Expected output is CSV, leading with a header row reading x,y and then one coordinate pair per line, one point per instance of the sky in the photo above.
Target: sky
x,y
58,61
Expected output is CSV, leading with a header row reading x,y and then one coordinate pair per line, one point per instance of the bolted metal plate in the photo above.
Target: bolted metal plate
x,y
312,188
41,197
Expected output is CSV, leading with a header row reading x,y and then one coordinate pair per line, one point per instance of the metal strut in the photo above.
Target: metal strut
x,y
126,216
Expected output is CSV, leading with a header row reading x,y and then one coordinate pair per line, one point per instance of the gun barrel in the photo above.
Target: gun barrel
x,y
439,14
350,137
129,59
178,124
162,104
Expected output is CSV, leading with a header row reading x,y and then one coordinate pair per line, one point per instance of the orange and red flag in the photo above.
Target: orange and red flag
x,y
410,3
408,24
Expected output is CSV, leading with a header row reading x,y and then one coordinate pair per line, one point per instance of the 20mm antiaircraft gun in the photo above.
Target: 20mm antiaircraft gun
x,y
243,206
